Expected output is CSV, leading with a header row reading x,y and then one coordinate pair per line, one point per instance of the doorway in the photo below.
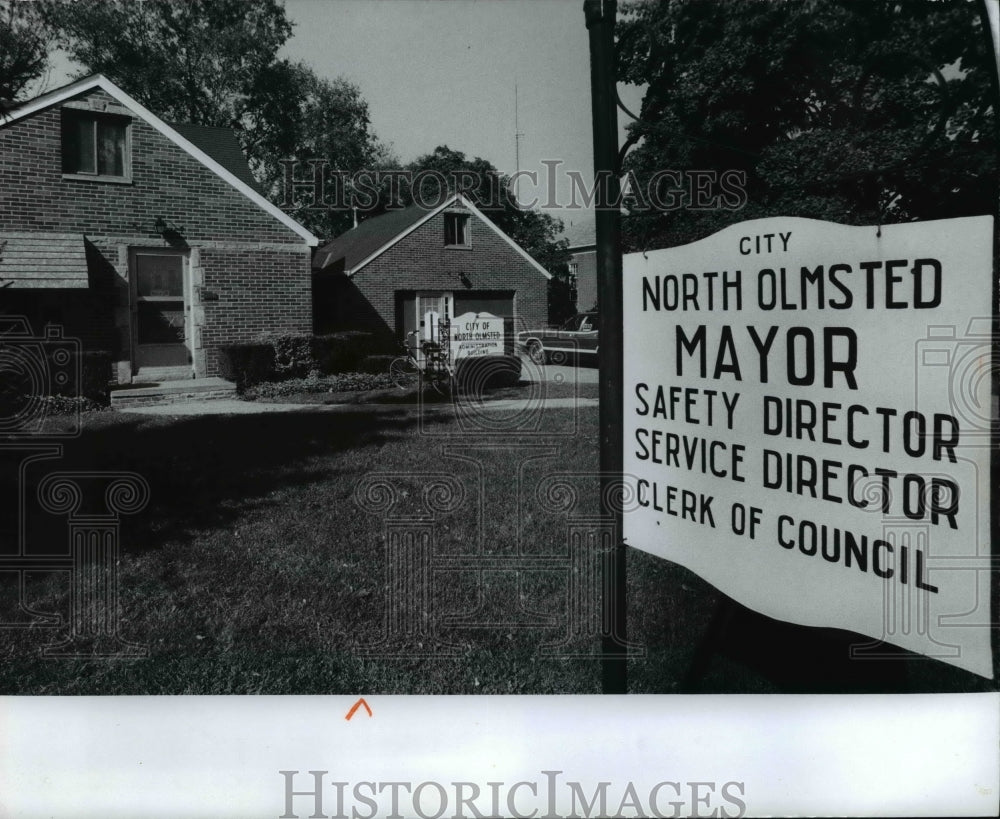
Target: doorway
x,y
161,311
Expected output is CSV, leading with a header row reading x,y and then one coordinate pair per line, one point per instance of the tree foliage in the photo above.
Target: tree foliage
x,y
215,62
200,61
308,118
490,191
873,112
23,48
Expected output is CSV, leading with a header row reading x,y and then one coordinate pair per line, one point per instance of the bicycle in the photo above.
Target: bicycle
x,y
406,371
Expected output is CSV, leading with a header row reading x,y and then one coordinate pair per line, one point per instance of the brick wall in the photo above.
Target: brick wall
x,y
257,268
420,261
251,294
586,279
166,182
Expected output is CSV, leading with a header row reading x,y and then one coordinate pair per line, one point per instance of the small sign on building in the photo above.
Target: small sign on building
x,y
476,334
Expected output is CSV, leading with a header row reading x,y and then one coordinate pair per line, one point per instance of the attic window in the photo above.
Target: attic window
x,y
95,145
456,230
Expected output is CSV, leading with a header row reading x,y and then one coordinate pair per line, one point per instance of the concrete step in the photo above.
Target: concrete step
x,y
157,375
171,392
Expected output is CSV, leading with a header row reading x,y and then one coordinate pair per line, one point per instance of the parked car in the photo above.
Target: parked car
x,y
577,337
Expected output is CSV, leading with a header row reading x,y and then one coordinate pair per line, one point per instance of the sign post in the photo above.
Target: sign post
x,y
808,416
600,19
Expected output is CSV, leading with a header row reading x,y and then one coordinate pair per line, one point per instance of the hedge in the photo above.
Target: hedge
x,y
376,363
341,382
286,356
479,373
58,395
247,364
345,351
95,376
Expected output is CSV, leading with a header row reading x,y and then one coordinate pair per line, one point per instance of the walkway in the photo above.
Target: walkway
x,y
224,406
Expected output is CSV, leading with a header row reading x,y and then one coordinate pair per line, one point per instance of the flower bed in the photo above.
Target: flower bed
x,y
315,383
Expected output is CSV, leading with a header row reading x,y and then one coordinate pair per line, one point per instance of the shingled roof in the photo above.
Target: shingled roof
x,y
38,259
343,254
220,144
351,251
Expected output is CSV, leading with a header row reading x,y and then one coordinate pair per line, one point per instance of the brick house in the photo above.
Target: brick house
x,y
389,271
142,238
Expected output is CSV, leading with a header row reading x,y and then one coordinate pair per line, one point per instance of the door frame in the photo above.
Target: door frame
x,y
431,295
186,290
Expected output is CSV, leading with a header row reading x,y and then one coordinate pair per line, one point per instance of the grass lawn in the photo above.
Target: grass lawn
x,y
395,395
255,570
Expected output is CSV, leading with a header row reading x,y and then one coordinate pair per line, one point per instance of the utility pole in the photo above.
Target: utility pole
x,y
600,18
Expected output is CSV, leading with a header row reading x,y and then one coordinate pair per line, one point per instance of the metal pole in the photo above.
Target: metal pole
x,y
600,19
988,22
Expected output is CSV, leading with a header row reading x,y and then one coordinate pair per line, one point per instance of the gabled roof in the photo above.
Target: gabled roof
x,y
352,250
358,244
222,164
222,145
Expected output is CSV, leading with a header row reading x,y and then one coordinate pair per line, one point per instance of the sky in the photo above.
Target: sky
x,y
443,72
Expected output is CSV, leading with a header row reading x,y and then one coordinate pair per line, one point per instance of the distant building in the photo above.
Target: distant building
x,y
580,233
389,271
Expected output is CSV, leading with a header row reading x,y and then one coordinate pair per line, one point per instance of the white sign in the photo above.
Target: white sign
x,y
807,415
476,334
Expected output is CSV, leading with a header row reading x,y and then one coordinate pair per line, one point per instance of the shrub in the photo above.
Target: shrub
x,y
95,378
72,404
314,383
93,367
344,351
247,364
296,356
376,363
480,373
292,355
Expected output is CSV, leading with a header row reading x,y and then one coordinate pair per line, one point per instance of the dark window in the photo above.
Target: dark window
x,y
456,229
94,144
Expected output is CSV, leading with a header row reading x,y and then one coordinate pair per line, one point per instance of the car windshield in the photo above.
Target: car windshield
x,y
583,323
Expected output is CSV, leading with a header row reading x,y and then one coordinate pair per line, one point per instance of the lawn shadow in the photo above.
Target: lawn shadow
x,y
206,472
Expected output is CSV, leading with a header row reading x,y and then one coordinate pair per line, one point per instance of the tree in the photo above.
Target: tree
x,y
23,49
215,62
871,112
490,191
200,61
307,118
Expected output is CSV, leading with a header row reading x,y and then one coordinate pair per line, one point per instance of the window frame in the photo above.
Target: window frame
x,y
70,118
462,219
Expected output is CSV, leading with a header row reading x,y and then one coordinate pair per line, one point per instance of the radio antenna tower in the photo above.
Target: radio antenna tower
x,y
517,150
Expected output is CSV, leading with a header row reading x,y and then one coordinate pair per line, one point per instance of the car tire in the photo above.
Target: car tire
x,y
536,352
